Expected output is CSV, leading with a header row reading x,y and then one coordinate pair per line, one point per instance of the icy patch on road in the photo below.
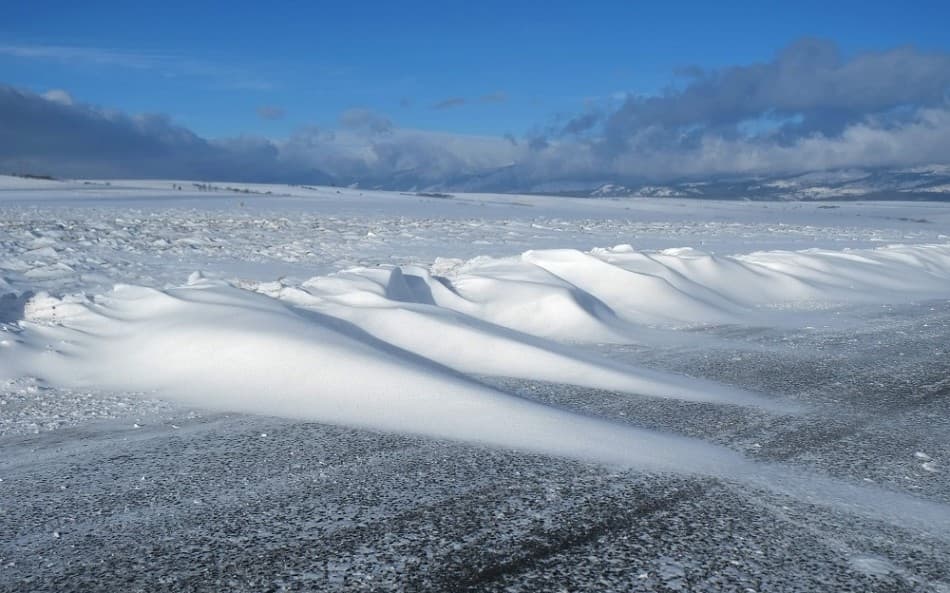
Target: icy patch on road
x,y
873,565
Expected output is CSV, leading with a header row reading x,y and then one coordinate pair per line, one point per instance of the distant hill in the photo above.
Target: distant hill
x,y
931,182
918,183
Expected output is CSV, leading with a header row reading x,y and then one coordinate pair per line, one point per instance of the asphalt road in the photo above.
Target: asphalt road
x,y
159,498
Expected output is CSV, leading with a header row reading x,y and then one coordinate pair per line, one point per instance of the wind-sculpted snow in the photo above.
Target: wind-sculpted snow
x,y
396,348
811,428
219,346
619,295
400,309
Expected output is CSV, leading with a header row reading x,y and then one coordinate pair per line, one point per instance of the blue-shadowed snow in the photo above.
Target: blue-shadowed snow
x,y
391,311
395,349
218,346
383,309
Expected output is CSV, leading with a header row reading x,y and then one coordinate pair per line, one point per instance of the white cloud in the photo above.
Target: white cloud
x,y
58,96
89,55
875,109
167,64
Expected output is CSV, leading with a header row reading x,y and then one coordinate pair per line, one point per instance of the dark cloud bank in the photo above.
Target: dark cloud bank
x,y
810,108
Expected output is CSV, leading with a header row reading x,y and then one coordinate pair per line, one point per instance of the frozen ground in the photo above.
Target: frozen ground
x,y
734,417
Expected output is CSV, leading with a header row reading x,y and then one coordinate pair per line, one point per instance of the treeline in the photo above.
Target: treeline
x,y
33,176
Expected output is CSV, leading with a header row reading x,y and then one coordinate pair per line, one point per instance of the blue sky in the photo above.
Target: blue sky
x,y
211,66
486,68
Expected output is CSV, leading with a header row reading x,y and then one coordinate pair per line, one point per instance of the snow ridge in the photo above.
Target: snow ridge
x,y
397,348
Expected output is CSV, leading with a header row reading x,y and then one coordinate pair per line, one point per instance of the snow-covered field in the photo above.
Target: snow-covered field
x,y
263,386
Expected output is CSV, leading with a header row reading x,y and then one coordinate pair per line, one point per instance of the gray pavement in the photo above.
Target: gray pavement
x,y
152,497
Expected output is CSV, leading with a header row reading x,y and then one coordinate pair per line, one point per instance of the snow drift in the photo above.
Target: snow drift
x,y
398,348
216,345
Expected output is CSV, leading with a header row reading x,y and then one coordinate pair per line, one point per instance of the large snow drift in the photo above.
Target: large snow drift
x,y
220,346
395,348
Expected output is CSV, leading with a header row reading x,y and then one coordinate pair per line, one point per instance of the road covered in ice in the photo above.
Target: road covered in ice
x,y
472,319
